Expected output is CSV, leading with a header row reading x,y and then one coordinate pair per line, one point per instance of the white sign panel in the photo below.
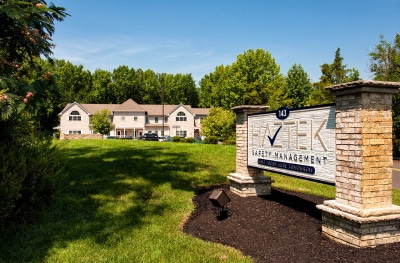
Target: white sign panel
x,y
298,142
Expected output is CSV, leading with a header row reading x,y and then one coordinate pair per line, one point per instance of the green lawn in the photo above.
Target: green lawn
x,y
125,201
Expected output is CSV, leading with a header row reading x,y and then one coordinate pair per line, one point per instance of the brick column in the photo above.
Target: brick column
x,y
362,213
247,181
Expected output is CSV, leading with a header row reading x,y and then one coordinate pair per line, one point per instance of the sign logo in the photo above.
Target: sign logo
x,y
272,140
299,142
283,113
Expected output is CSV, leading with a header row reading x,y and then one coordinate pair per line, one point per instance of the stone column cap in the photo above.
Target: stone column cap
x,y
250,108
359,86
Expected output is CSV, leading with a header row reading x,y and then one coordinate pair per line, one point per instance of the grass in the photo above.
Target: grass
x,y
125,201
314,188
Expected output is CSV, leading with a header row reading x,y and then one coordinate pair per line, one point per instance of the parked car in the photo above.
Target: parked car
x,y
150,137
162,139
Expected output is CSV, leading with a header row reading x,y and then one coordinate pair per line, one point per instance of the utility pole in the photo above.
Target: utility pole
x,y
163,117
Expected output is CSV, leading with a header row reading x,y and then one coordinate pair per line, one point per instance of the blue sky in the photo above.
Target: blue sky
x,y
183,36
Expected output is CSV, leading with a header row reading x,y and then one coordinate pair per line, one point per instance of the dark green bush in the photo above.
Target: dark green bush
x,y
229,142
176,139
28,165
189,140
211,140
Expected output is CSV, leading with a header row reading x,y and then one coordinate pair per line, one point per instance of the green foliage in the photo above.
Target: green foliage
x,y
180,89
385,60
253,79
229,142
101,91
26,28
25,176
332,74
120,199
298,85
189,140
184,140
74,82
176,139
26,156
219,123
211,140
385,64
101,122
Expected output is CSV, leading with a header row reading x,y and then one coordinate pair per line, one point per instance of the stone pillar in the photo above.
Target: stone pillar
x,y
362,214
247,181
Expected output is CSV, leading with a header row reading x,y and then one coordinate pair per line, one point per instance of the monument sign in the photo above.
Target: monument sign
x,y
298,142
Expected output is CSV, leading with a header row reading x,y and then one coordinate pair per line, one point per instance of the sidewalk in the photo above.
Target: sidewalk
x,y
396,174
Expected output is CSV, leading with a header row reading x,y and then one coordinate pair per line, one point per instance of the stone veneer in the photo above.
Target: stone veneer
x,y
80,136
362,214
247,181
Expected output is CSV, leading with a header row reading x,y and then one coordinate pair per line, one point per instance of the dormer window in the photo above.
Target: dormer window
x,y
181,116
74,116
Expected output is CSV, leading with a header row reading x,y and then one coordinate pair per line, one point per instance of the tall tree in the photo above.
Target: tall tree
x,y
151,88
254,79
332,74
256,74
74,81
125,84
211,90
385,60
29,159
26,29
183,90
101,91
385,65
298,85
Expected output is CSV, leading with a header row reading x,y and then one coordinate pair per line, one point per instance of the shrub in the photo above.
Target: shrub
x,y
176,139
189,140
229,142
211,140
26,181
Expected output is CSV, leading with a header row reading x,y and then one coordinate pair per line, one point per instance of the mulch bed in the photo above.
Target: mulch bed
x,y
282,227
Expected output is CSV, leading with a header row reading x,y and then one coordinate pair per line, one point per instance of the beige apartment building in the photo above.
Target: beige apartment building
x,y
132,120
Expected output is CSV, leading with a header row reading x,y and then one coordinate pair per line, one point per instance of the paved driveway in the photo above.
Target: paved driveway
x,y
396,174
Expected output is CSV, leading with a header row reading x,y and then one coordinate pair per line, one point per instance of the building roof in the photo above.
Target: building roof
x,y
157,110
93,108
201,111
131,105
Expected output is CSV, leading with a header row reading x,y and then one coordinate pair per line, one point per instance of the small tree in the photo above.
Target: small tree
x,y
101,122
220,124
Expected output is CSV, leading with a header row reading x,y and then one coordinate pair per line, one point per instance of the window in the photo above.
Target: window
x,y
147,120
74,132
156,119
181,116
181,133
166,119
74,116
122,118
135,118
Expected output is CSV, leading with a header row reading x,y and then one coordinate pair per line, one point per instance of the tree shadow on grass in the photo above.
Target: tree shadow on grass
x,y
89,188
